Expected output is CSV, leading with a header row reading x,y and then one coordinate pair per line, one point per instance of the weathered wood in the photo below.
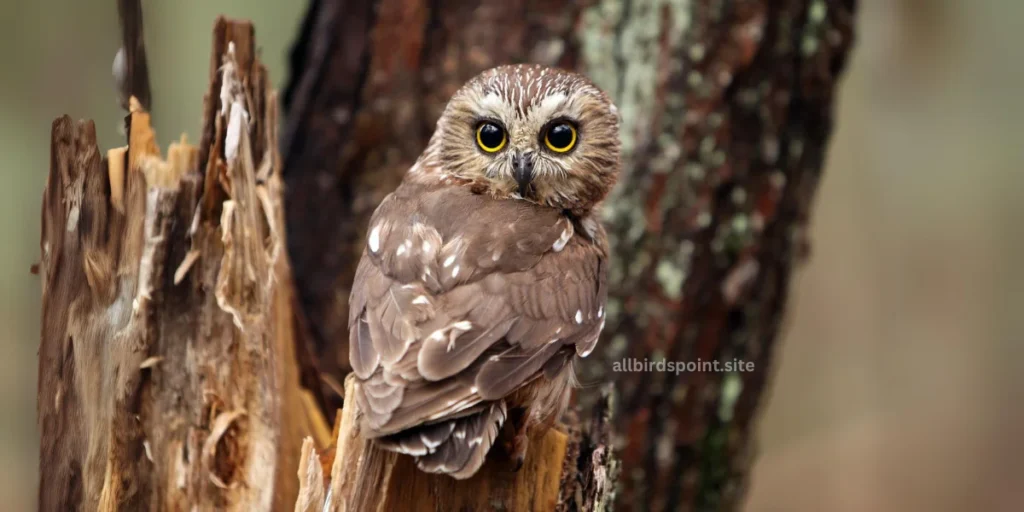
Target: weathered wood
x,y
591,469
365,478
727,111
167,367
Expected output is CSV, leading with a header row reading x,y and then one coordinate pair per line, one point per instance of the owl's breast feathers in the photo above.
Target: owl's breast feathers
x,y
459,301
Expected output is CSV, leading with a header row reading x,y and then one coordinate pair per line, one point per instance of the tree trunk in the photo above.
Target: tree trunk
x,y
167,366
726,109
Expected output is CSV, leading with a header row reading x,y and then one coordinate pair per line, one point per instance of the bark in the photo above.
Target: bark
x,y
727,111
167,367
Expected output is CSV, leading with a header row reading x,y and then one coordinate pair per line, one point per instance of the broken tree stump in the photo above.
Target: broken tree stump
x,y
167,368
556,475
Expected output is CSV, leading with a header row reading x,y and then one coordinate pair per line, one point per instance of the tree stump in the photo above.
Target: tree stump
x,y
167,367
365,478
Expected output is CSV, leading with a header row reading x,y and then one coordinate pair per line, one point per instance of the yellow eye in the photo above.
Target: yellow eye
x,y
560,137
490,137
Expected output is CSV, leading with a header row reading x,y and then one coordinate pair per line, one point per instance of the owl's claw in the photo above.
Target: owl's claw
x,y
518,449
517,441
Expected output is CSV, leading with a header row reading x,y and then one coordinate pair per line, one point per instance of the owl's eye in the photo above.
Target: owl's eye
x,y
490,137
560,137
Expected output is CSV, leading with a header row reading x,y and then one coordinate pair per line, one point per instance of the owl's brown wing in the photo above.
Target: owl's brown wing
x,y
458,301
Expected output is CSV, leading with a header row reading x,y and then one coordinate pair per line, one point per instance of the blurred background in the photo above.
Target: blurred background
x,y
900,380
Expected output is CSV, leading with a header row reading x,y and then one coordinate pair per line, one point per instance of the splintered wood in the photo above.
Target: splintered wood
x,y
167,370
364,478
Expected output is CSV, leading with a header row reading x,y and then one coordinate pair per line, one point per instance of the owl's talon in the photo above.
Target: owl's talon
x,y
517,463
517,449
518,441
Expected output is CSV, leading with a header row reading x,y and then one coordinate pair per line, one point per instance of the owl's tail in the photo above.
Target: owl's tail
x,y
456,447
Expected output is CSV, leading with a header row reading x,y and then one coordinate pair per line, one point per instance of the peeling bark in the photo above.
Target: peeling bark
x,y
727,111
167,368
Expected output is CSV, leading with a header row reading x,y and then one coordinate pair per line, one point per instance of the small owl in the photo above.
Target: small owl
x,y
483,276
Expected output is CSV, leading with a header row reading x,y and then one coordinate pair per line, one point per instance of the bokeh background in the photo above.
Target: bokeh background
x,y
900,383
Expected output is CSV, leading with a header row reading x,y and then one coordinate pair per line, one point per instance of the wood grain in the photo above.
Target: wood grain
x,y
168,376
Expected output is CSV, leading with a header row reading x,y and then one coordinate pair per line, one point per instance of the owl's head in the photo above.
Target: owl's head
x,y
531,132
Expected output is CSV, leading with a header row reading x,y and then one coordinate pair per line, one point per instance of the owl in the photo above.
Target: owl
x,y
483,276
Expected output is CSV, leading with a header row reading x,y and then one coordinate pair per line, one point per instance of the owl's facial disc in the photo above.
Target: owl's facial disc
x,y
533,133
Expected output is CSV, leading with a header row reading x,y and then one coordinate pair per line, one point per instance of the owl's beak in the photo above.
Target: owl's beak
x,y
522,169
